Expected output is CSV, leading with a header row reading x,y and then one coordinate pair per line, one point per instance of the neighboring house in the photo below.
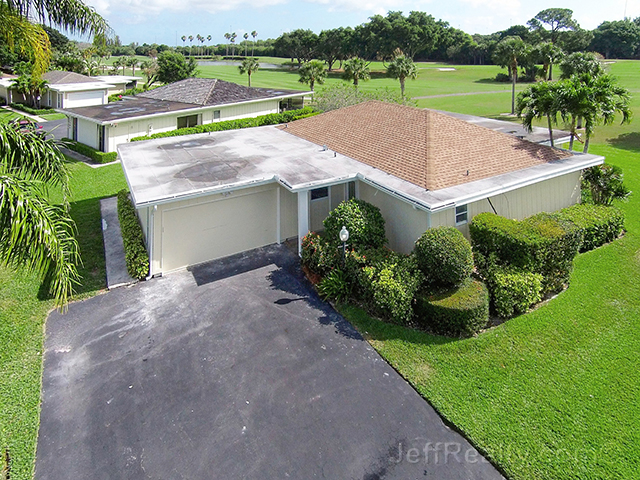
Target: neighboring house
x,y
202,197
190,102
64,90
119,83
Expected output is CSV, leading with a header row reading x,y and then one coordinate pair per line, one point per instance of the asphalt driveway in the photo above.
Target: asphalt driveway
x,y
234,369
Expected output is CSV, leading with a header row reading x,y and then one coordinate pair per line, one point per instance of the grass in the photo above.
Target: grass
x,y
23,311
53,116
8,115
548,395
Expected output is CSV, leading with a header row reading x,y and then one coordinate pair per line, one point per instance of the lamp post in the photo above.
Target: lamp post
x,y
344,236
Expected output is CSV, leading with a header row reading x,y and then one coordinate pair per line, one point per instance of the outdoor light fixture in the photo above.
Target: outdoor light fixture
x,y
344,236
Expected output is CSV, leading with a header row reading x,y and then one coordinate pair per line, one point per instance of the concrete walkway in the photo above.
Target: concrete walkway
x,y
35,118
117,274
234,369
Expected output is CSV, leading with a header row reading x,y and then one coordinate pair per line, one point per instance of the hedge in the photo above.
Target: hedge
x,y
32,111
514,291
317,255
270,119
95,155
599,224
364,222
135,252
543,244
460,312
444,256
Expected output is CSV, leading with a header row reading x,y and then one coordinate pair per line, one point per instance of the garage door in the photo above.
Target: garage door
x,y
197,233
84,99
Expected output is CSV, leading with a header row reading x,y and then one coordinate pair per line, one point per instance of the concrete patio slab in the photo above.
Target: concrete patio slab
x,y
234,369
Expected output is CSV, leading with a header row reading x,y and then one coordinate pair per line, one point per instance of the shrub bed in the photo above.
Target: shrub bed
x,y
444,256
459,312
270,119
363,220
514,291
135,251
317,255
599,224
543,244
31,110
95,155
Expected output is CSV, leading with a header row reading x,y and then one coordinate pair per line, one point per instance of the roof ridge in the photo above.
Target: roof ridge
x,y
210,92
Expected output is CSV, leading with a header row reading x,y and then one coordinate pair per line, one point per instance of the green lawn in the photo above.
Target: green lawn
x,y
23,313
548,395
8,115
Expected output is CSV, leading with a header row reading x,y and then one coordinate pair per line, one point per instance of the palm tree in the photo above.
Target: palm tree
x,y
233,44
312,72
401,68
190,37
208,47
227,36
132,61
508,52
36,234
248,66
537,101
184,40
246,43
254,34
548,54
356,69
594,99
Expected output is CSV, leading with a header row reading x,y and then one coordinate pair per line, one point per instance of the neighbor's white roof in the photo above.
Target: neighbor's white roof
x,y
116,78
79,87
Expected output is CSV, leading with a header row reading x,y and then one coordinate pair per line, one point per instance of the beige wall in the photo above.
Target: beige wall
x,y
288,214
88,133
404,224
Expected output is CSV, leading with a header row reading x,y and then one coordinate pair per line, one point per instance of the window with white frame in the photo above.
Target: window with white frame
x,y
461,214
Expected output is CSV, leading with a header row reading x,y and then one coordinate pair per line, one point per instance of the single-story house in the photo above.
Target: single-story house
x,y
64,90
206,196
119,83
187,103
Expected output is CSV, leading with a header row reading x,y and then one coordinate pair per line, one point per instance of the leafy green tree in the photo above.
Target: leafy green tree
x,y
36,234
401,68
331,45
579,63
508,53
173,67
150,69
356,69
312,72
596,100
537,101
548,54
557,19
298,45
617,39
249,66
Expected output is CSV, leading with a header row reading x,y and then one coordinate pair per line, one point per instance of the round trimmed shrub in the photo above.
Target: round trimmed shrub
x,y
459,312
363,220
444,256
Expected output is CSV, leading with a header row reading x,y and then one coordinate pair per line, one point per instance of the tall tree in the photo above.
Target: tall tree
x,y
249,66
508,53
548,54
227,37
173,67
246,43
356,69
537,101
312,72
331,45
617,39
234,35
401,68
579,63
299,45
254,34
557,19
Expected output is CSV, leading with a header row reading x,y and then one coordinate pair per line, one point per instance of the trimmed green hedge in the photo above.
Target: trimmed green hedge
x,y
95,155
543,244
270,119
444,256
32,111
363,220
460,312
514,291
599,224
135,252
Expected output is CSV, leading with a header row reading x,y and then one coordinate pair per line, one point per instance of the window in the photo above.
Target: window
x,y
216,114
461,214
351,190
319,193
188,121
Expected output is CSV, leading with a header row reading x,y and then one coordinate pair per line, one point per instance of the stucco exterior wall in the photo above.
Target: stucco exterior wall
x,y
87,133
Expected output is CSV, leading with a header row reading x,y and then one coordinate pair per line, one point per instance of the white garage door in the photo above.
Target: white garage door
x,y
197,233
84,99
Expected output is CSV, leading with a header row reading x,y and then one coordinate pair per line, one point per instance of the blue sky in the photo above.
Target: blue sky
x,y
165,21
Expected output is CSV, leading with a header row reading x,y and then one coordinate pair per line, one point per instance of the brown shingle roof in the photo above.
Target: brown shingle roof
x,y
424,147
211,91
60,77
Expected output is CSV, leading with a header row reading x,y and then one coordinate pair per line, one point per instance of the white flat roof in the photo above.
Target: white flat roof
x,y
176,168
116,78
79,87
